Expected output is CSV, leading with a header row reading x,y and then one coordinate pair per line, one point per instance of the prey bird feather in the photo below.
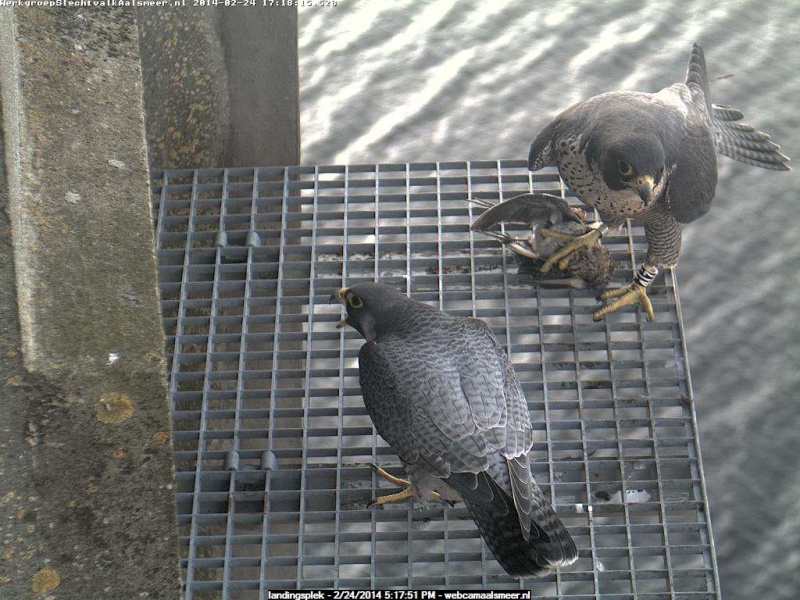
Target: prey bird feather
x,y
441,391
650,156
553,223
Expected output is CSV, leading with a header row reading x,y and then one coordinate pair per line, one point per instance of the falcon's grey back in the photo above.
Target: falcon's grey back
x,y
442,392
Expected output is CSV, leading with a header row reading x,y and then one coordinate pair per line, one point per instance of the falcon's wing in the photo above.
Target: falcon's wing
x,y
542,152
681,115
691,163
744,142
448,398
452,403
706,128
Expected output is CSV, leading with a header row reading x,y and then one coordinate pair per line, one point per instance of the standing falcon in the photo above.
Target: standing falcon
x,y
652,157
444,395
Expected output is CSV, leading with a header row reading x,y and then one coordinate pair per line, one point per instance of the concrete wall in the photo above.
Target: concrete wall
x,y
86,480
221,86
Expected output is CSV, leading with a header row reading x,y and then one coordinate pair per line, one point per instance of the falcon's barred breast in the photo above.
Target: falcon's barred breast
x,y
651,156
443,394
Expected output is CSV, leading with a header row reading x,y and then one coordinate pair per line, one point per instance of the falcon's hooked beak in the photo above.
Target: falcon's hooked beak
x,y
339,296
644,186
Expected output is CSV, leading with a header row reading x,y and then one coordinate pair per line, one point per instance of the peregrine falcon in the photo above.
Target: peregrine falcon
x,y
443,394
652,157
553,222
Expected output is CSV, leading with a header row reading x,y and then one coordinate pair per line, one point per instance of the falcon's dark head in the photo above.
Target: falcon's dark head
x,y
371,307
629,160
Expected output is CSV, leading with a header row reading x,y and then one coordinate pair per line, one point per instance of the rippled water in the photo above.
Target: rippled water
x,y
461,80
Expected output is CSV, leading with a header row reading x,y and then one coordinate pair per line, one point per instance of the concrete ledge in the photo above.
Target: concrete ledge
x,y
221,86
86,481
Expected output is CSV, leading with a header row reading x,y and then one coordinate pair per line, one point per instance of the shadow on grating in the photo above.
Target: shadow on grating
x,y
273,445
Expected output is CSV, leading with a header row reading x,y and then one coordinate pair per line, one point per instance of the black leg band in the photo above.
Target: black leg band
x,y
645,275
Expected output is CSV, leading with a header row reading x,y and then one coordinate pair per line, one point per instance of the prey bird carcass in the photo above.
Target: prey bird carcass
x,y
553,223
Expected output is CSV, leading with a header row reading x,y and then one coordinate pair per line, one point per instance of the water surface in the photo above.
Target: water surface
x,y
463,80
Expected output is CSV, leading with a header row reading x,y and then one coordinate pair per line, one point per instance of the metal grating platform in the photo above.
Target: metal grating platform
x,y
272,441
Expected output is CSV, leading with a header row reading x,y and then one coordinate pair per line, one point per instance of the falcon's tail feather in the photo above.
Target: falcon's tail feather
x,y
743,142
548,544
696,73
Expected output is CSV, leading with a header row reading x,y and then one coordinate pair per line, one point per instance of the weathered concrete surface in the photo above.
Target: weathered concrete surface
x,y
185,88
221,86
263,81
86,482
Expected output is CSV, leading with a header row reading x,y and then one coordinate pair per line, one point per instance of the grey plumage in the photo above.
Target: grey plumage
x,y
743,142
526,209
590,267
443,394
651,156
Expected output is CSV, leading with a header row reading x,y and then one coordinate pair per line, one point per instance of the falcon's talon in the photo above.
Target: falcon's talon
x,y
389,477
562,256
406,492
558,235
630,294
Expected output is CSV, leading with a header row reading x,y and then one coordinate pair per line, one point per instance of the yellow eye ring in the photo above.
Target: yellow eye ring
x,y
625,168
354,301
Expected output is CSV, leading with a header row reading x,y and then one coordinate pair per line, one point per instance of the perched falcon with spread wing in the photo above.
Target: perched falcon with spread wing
x,y
651,157
443,394
553,224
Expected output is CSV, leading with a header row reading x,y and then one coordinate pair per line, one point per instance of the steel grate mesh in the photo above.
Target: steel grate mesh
x,y
272,442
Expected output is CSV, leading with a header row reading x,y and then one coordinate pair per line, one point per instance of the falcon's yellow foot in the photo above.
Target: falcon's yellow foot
x,y
564,255
630,294
406,492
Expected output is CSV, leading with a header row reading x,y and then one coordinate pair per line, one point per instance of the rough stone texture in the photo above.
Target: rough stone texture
x,y
221,86
186,88
86,483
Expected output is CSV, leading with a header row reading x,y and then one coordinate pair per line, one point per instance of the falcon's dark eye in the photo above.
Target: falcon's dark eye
x,y
625,168
354,301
